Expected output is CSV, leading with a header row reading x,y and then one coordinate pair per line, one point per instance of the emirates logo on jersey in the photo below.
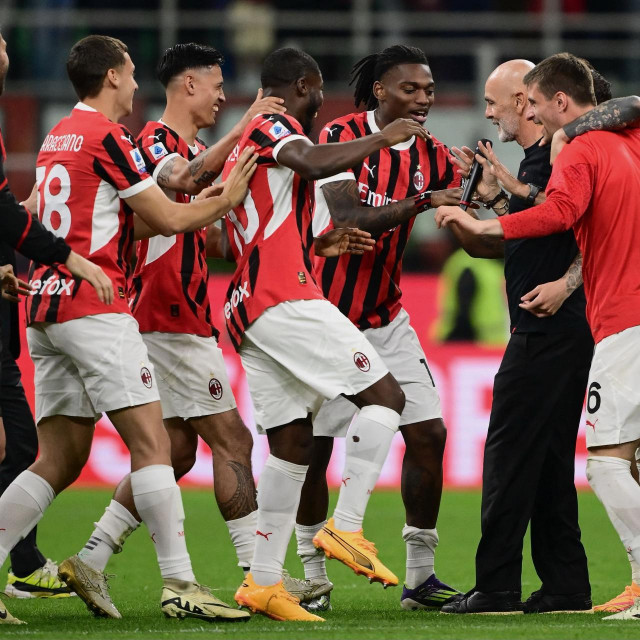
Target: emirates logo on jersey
x,y
145,376
418,180
361,361
215,388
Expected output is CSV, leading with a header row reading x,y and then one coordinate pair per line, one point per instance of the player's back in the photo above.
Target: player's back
x,y
270,231
86,164
609,232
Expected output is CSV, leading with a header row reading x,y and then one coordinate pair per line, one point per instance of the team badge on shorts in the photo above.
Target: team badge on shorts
x,y
215,388
418,180
362,362
145,376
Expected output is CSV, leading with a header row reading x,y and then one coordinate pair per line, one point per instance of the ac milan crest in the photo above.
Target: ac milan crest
x,y
145,376
215,388
418,180
362,362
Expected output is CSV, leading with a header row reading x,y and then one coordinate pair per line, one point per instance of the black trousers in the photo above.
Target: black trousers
x,y
528,473
21,452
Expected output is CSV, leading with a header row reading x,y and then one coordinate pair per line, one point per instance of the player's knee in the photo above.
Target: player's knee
x,y
149,446
425,440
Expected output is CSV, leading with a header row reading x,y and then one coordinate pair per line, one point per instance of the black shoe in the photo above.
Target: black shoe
x,y
496,602
541,602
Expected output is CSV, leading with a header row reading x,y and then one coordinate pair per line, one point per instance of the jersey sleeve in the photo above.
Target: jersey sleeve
x,y
271,133
568,195
121,164
157,147
336,132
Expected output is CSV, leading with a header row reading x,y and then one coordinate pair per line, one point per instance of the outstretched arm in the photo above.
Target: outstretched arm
x,y
347,210
183,176
313,162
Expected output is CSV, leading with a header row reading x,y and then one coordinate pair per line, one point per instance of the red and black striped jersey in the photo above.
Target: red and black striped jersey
x,y
366,288
270,231
168,290
85,168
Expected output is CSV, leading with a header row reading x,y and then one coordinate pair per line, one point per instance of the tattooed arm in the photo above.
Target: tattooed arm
x,y
619,113
546,299
347,210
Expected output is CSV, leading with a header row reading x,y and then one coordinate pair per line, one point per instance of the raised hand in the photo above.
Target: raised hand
x,y
237,182
262,105
497,169
343,240
93,274
402,129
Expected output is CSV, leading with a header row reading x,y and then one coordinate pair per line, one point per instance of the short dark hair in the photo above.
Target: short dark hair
x,y
90,59
371,68
181,57
284,66
563,72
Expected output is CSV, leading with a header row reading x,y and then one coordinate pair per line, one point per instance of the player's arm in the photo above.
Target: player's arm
x,y
619,113
313,162
168,217
346,208
545,299
178,174
213,242
477,246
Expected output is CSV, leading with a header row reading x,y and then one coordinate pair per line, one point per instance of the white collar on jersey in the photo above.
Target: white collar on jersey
x,y
195,149
401,146
84,107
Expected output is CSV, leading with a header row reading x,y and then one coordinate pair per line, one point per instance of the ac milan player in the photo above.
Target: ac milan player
x,y
296,347
593,189
171,304
90,358
382,194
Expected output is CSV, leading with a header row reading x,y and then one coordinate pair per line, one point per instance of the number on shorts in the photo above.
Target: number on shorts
x,y
593,397
426,366
56,215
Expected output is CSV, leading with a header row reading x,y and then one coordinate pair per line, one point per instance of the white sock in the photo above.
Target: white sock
x,y
243,535
159,503
611,480
313,559
279,491
21,506
421,548
367,445
113,528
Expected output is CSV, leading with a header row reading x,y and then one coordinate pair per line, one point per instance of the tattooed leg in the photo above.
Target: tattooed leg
x,y
231,443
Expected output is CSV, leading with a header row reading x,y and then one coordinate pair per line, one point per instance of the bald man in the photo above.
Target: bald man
x,y
528,474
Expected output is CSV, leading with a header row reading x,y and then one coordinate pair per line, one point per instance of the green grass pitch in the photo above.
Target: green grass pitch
x,y
360,610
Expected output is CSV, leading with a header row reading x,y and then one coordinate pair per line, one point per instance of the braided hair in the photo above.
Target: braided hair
x,y
372,68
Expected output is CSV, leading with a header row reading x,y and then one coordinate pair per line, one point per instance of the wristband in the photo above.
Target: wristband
x,y
423,201
534,190
492,203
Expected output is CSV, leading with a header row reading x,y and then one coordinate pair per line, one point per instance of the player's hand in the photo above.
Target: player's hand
x,y
559,141
93,274
12,287
463,158
446,197
446,216
498,170
211,191
343,240
402,129
237,182
545,299
263,105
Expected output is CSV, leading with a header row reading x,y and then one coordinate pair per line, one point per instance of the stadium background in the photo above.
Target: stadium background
x,y
463,39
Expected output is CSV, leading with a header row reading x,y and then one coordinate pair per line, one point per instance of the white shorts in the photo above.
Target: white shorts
x,y
298,354
613,392
90,365
191,376
399,347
